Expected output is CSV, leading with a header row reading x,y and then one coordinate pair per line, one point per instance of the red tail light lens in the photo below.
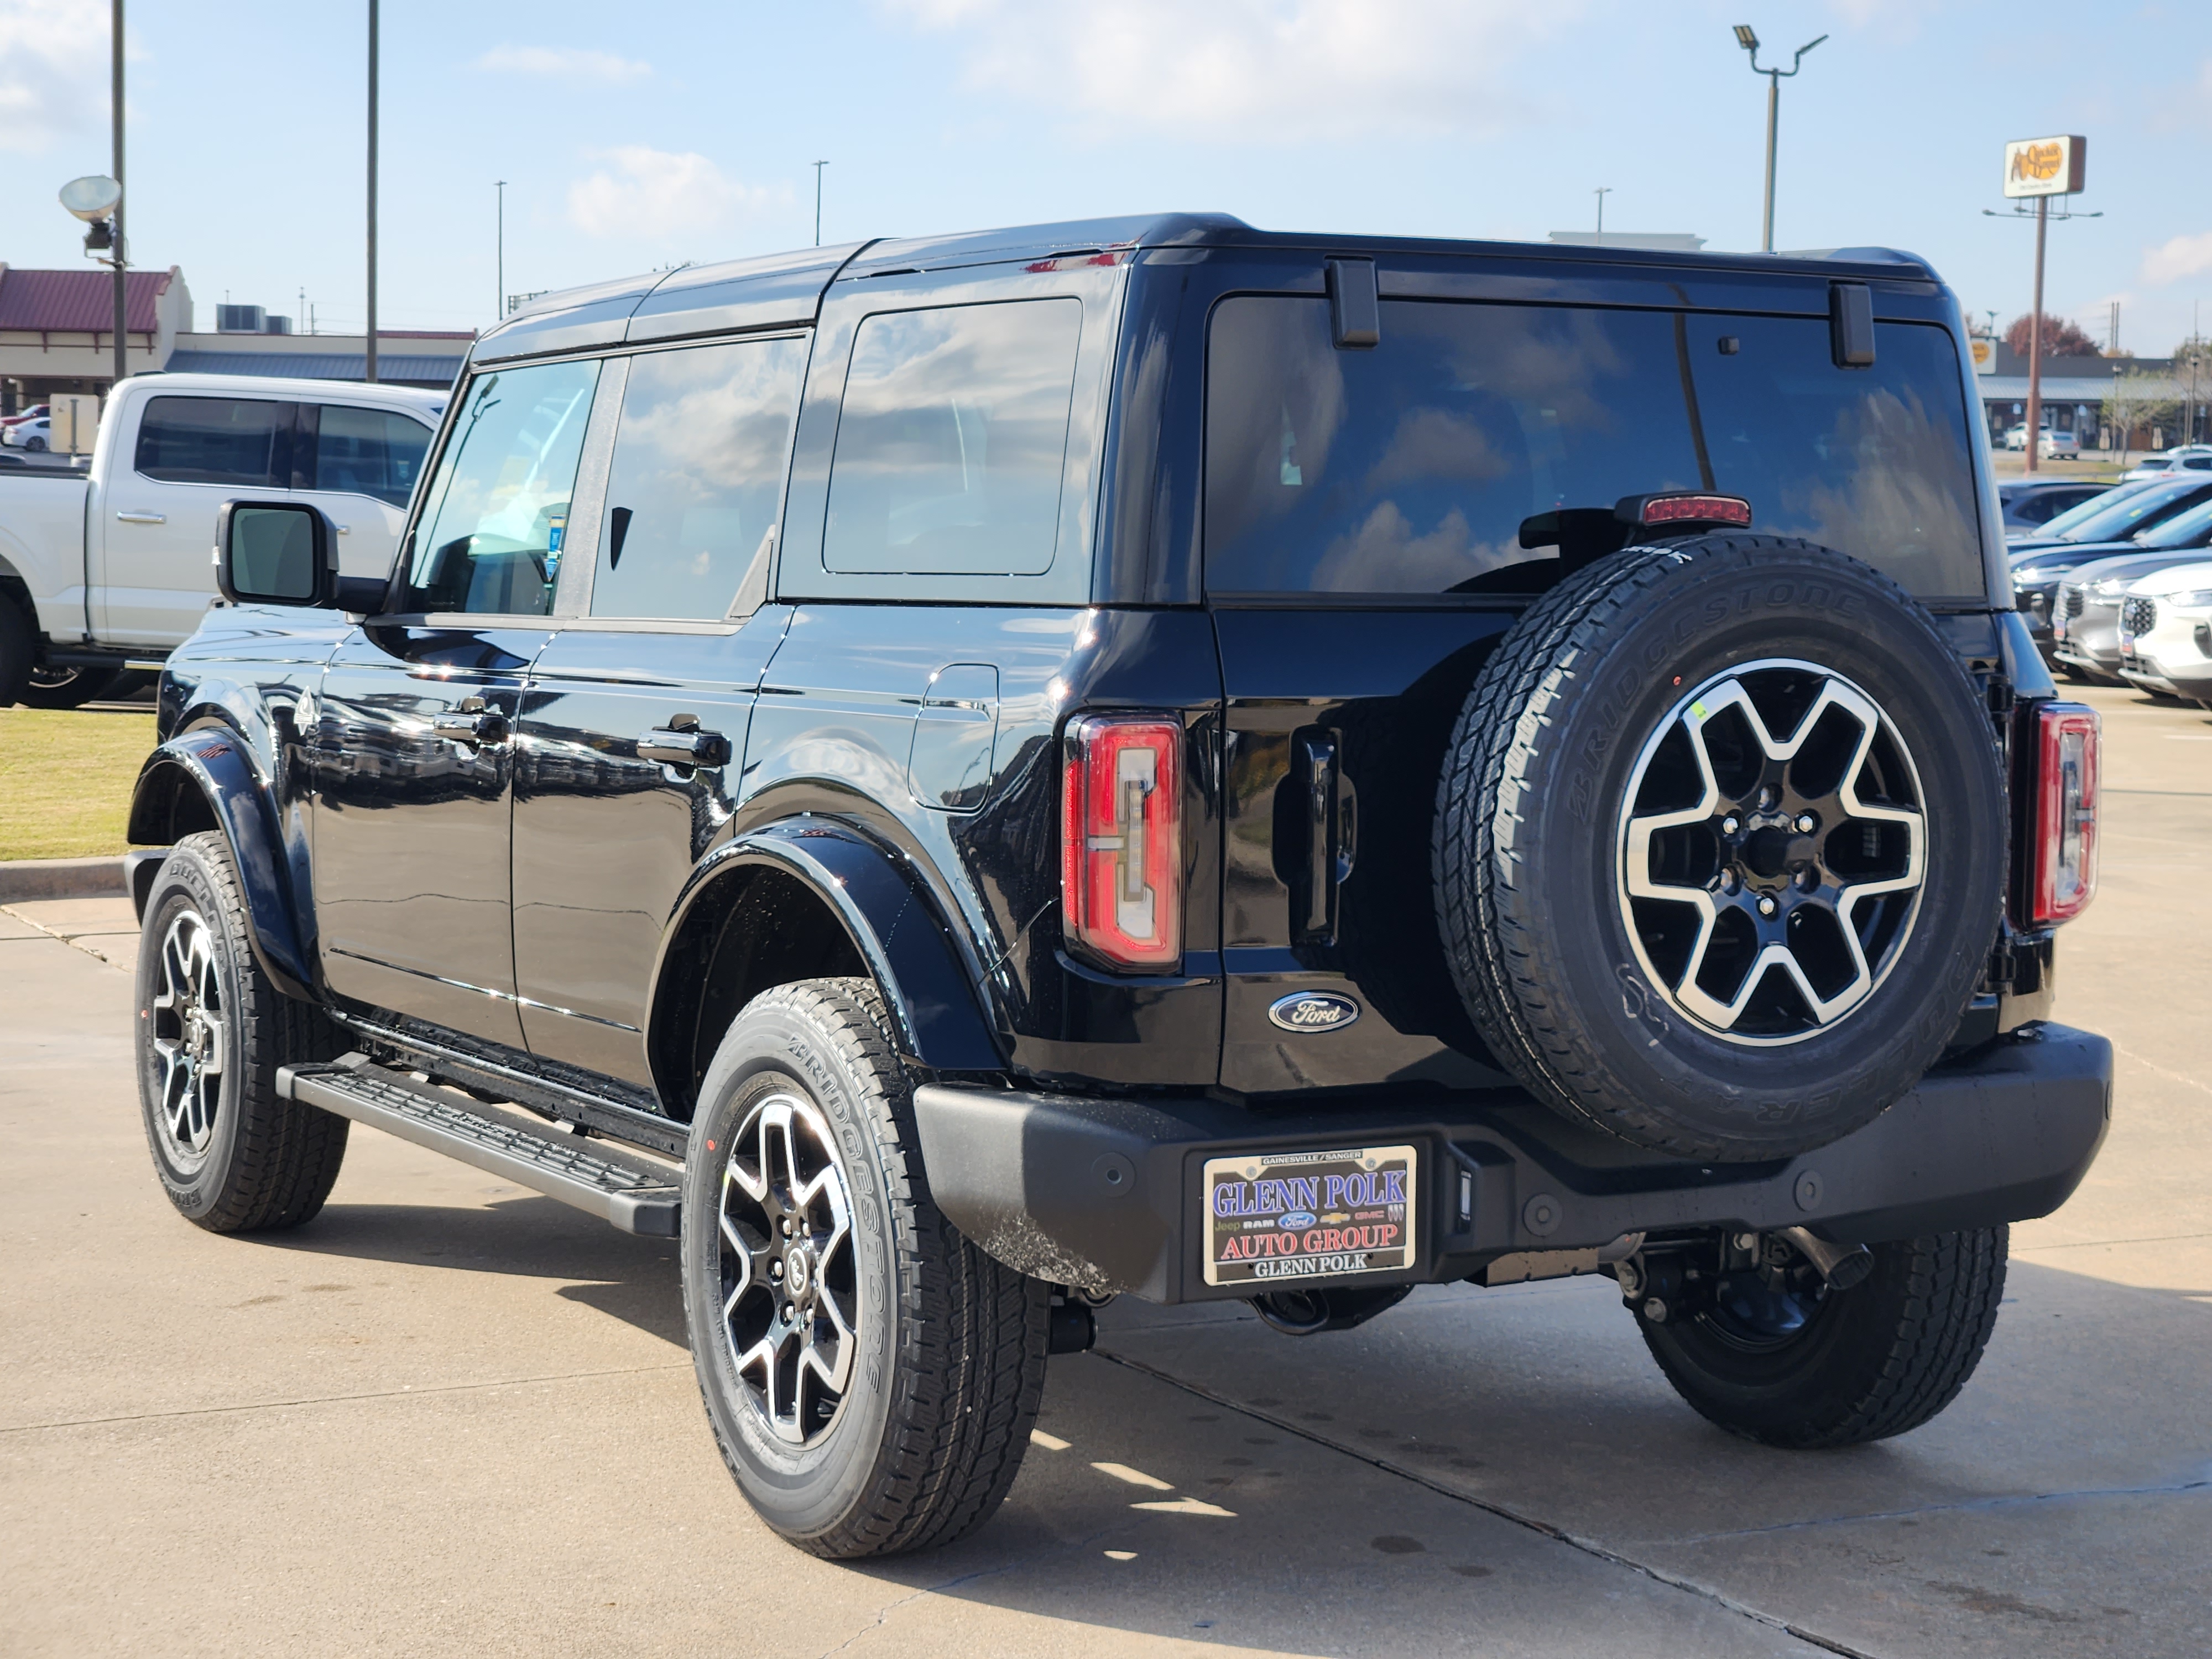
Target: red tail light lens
x,y
1121,873
2069,738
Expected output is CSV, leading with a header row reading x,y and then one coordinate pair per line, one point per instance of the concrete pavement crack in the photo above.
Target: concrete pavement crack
x,y
1588,1546
2006,1500
341,1399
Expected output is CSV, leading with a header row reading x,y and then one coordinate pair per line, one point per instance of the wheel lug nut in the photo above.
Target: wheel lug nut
x,y
1766,904
1730,825
1805,822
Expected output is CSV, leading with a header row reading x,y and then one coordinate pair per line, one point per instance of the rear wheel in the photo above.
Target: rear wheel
x,y
63,688
233,1155
1777,1356
870,1375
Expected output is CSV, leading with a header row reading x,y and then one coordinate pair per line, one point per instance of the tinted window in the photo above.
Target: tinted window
x,y
2117,519
2066,523
492,541
1412,468
2190,528
952,440
369,452
218,440
697,473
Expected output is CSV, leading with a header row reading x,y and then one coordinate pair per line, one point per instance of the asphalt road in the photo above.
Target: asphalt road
x,y
453,1416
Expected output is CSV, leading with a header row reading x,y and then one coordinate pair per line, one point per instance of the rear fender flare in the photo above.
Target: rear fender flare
x,y
889,916
216,762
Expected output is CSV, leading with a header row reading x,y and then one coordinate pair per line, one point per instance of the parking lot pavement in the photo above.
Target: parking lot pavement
x,y
450,1414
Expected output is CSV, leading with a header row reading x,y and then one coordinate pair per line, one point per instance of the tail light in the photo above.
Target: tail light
x,y
2069,738
1121,870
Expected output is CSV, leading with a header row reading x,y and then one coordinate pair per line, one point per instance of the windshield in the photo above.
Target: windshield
x,y
2105,519
2192,528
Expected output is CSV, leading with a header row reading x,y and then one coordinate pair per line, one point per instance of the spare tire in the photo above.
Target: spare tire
x,y
1721,846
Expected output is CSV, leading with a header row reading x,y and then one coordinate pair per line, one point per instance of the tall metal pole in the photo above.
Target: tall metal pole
x,y
370,375
2035,341
1773,119
818,166
498,310
1601,192
121,281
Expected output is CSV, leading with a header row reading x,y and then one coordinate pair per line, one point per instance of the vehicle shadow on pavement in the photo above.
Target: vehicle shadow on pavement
x,y
626,1278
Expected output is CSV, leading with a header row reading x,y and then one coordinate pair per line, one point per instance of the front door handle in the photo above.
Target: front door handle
x,y
679,745
470,722
143,518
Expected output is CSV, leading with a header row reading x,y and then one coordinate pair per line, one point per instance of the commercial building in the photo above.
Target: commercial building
x,y
57,335
2154,395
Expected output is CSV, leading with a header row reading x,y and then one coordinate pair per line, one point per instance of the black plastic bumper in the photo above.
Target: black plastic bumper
x,y
1105,1193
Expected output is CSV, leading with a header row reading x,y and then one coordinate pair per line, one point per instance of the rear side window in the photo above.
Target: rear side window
x,y
368,452
491,540
952,440
1412,468
697,472
218,440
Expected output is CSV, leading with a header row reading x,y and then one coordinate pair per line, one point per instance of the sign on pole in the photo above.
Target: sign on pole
x,y
2045,167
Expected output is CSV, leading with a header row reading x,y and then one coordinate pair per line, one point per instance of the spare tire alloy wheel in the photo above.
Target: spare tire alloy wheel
x,y
1768,881
789,1299
1721,846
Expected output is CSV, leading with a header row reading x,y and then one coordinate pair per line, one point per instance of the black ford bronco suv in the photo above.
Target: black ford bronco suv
x,y
964,777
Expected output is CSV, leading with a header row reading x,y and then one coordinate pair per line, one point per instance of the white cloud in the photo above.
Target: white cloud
x,y
577,61
2184,256
1267,71
53,71
646,194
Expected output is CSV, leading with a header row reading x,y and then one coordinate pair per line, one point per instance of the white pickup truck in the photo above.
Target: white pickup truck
x,y
107,569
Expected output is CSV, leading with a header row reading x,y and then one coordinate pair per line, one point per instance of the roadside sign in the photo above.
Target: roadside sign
x,y
1985,353
2045,167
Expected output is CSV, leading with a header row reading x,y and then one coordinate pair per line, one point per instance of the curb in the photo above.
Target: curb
x,y
52,879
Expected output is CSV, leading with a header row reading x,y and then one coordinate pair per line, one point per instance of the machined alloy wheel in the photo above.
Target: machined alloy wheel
x,y
1772,852
189,1038
790,1302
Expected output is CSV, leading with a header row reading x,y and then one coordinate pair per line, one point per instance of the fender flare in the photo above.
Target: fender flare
x,y
216,760
890,915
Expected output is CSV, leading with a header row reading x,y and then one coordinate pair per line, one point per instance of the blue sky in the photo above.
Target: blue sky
x,y
638,136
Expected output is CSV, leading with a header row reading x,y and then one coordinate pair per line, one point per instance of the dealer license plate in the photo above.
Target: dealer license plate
x,y
1297,1217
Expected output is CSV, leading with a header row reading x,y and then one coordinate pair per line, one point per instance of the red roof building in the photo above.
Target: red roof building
x,y
58,327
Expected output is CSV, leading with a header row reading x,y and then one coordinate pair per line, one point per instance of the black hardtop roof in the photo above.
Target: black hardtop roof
x,y
784,289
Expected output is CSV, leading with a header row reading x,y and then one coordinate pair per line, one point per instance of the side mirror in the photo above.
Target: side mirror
x,y
276,553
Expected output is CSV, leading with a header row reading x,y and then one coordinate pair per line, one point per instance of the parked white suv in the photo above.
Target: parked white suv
x,y
102,568
2166,633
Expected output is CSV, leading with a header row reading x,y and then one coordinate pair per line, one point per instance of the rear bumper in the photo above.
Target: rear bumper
x,y
1104,1194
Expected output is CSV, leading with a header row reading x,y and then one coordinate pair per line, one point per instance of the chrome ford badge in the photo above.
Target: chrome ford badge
x,y
1313,1011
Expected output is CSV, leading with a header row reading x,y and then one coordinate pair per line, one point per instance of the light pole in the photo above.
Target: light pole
x,y
818,166
1775,78
369,362
1601,192
122,281
499,308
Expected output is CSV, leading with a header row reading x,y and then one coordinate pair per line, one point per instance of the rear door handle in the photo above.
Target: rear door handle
x,y
470,722
1324,815
143,518
683,745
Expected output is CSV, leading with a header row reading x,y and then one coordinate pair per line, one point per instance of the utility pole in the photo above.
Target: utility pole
x,y
1775,78
121,281
818,166
1602,191
498,310
2035,343
370,362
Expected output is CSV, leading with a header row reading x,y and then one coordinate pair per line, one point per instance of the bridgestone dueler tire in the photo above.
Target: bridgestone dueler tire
x,y
269,1163
952,1346
1875,1360
1524,850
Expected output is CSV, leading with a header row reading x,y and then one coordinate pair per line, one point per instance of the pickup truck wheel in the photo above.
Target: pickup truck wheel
x,y
1844,1366
1720,846
231,1154
63,688
870,1375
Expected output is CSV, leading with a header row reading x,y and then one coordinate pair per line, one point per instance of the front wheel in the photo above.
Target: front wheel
x,y
1776,1355
63,688
870,1376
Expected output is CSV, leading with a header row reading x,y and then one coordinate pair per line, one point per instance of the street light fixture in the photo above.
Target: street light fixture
x,y
1749,42
98,200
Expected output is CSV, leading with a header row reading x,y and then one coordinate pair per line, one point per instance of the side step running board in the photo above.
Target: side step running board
x,y
635,1196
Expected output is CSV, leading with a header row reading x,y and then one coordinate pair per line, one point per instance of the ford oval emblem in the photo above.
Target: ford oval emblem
x,y
1313,1011
1295,1219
